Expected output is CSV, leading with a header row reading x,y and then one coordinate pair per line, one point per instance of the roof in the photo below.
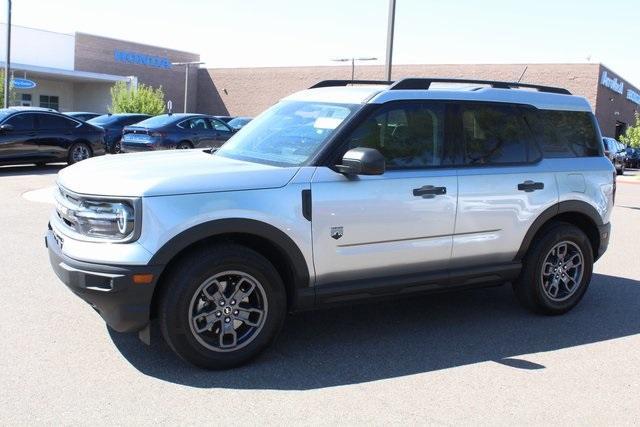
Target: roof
x,y
20,108
378,94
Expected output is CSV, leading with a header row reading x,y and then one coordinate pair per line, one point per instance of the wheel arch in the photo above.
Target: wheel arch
x,y
266,239
576,212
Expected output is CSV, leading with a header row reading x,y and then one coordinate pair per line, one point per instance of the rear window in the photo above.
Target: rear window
x,y
565,133
159,121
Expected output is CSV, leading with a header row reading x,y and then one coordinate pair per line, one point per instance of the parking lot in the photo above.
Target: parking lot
x,y
472,357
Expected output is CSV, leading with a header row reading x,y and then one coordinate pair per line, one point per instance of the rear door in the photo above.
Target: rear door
x,y
503,184
395,225
19,144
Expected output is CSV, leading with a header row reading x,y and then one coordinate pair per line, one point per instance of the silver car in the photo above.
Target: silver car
x,y
340,192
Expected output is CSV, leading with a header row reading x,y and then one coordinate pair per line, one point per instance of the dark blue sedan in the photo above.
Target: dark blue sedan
x,y
175,131
113,124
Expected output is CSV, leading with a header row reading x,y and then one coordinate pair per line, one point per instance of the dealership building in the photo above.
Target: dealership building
x,y
74,72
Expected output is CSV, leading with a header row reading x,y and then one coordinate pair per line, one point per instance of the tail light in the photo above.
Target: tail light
x,y
158,134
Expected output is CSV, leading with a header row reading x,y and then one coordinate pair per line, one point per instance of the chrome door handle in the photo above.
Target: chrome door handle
x,y
429,191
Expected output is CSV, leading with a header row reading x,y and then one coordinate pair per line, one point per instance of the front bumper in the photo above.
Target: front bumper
x,y
109,289
605,235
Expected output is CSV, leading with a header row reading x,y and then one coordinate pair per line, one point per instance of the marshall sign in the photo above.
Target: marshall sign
x,y
612,83
618,87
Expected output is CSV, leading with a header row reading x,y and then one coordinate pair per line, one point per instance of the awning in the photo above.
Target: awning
x,y
60,74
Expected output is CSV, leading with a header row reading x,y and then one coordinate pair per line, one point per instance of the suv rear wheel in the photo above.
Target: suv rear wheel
x,y
222,306
556,271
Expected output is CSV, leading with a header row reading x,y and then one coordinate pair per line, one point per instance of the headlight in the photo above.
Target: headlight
x,y
105,219
113,220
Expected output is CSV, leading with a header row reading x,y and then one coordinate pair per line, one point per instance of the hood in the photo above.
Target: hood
x,y
168,173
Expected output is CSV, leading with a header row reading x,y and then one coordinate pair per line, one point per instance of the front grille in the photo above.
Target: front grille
x,y
66,205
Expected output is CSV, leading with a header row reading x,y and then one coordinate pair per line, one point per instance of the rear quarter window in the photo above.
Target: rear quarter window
x,y
563,134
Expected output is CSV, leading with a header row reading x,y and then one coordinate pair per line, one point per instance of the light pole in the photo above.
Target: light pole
x,y
7,64
353,63
186,65
390,25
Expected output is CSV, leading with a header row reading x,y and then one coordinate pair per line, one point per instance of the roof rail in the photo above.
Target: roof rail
x,y
425,83
331,83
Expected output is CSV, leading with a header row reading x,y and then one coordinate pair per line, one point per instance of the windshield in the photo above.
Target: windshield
x,y
288,134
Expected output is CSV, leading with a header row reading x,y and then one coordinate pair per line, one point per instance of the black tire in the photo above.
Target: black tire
x,y
184,145
183,285
71,156
117,148
529,288
620,171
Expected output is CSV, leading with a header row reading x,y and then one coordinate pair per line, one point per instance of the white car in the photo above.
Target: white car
x,y
338,193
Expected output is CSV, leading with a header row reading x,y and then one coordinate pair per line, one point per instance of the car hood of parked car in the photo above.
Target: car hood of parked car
x,y
169,173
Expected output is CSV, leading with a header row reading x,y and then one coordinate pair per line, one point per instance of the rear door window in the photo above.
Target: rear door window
x,y
53,122
494,134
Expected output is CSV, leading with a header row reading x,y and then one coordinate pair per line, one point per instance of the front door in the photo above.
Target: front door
x,y
221,133
396,224
18,144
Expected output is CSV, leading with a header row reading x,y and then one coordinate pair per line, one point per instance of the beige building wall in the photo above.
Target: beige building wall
x,y
60,88
94,97
248,91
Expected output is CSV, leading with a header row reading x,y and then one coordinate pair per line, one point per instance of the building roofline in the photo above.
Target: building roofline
x,y
135,42
406,64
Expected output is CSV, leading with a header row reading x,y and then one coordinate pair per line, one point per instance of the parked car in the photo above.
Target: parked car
x,y
615,152
239,122
633,158
82,115
225,119
337,194
41,135
181,131
113,124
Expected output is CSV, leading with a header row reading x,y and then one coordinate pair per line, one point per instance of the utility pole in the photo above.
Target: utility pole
x,y
7,64
186,65
390,25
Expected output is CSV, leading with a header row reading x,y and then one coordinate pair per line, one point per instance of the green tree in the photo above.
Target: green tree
x,y
12,93
143,99
632,136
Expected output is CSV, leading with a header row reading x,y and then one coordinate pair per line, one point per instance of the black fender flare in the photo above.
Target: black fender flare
x,y
577,206
237,226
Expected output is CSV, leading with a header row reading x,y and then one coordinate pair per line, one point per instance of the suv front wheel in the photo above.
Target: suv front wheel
x,y
556,271
221,306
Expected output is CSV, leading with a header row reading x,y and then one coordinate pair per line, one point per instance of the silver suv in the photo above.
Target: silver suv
x,y
347,190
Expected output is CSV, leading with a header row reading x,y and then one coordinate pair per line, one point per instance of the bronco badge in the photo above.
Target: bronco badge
x,y
336,232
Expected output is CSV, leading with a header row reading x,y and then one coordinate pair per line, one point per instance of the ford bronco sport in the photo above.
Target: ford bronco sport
x,y
347,190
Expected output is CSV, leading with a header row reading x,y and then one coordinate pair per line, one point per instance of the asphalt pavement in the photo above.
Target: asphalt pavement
x,y
472,357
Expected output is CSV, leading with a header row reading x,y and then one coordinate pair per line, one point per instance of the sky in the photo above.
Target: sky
x,y
253,33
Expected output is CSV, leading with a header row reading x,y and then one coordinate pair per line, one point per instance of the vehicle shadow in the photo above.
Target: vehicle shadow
x,y
369,342
51,169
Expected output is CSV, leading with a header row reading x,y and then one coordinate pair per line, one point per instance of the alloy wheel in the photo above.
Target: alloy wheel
x,y
228,311
562,271
79,153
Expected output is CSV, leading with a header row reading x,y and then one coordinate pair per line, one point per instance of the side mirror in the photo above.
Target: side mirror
x,y
6,127
362,161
